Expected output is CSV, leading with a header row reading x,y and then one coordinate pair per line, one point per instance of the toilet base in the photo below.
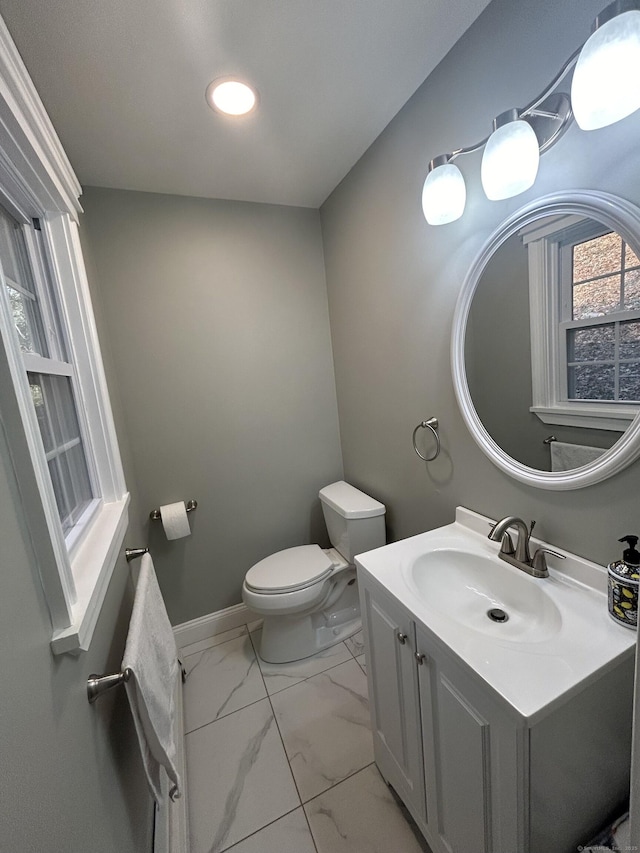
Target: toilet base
x,y
290,638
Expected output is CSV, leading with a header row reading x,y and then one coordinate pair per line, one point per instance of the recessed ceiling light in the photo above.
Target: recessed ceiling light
x,y
230,96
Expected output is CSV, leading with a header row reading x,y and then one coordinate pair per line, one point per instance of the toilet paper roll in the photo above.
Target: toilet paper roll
x,y
175,520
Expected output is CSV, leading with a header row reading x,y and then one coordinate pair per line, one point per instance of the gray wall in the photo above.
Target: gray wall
x,y
72,778
393,281
217,317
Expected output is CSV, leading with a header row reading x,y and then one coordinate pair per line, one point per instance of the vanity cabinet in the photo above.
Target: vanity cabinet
x,y
476,776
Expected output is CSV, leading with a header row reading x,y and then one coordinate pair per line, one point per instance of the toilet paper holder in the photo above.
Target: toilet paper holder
x,y
190,506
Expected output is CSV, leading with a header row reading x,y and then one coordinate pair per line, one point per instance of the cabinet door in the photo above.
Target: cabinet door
x,y
474,760
463,745
393,690
457,758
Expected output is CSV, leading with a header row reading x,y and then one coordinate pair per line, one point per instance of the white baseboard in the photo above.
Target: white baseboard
x,y
212,624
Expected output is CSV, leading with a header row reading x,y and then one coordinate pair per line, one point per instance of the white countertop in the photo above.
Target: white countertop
x,y
534,674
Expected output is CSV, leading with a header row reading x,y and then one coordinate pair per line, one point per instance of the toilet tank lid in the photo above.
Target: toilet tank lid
x,y
350,502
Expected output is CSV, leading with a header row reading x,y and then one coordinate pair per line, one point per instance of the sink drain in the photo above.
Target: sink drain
x,y
497,615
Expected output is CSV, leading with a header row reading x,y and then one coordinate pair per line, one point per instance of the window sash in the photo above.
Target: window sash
x,y
47,289
566,323
66,449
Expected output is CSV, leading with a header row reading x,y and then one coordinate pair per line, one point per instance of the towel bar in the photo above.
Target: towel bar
x,y
154,515
99,684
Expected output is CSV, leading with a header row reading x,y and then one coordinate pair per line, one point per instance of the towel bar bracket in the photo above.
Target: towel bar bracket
x,y
132,553
99,684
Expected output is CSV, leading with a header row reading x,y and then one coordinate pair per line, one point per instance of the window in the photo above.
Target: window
x,y
54,404
585,322
601,319
41,337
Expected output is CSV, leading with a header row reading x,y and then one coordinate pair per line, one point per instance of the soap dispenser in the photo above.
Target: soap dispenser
x,y
624,576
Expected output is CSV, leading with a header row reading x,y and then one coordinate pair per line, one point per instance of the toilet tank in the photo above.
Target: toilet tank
x,y
355,521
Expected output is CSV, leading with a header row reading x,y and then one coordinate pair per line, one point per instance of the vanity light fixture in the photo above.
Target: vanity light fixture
x,y
605,88
231,96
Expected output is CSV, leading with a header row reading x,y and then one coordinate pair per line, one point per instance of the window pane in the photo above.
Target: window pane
x,y
20,286
37,395
596,298
632,290
59,397
60,431
595,257
62,501
51,310
592,382
630,382
630,257
13,252
630,339
595,343
25,319
75,476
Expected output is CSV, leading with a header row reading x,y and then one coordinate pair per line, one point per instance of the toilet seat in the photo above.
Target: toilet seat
x,y
289,570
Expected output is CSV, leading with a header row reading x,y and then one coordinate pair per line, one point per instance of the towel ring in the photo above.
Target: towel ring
x,y
432,424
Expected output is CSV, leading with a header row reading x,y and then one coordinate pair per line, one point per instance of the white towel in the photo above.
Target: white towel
x,y
615,837
565,457
152,656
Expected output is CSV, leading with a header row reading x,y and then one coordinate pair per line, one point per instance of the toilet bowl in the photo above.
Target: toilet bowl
x,y
308,596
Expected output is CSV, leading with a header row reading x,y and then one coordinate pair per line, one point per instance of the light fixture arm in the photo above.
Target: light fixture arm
x,y
569,64
531,110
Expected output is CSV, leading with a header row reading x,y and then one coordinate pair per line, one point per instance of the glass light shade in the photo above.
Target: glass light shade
x,y
444,195
510,160
606,80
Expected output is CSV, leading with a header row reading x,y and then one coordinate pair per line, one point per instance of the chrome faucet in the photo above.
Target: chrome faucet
x,y
520,556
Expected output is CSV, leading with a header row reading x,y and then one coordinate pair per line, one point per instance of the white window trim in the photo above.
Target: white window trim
x,y
36,180
548,382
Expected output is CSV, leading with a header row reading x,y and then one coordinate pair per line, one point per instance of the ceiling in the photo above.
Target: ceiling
x,y
124,85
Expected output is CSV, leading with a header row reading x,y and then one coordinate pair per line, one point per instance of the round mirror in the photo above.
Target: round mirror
x,y
546,341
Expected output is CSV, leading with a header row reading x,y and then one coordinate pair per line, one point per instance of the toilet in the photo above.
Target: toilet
x,y
307,596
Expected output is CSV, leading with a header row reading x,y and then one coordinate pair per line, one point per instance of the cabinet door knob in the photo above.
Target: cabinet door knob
x,y
402,638
420,658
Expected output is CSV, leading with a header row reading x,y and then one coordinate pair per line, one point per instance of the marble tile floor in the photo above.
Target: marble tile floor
x,y
280,757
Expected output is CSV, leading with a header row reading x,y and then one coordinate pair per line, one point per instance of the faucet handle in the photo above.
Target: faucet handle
x,y
539,562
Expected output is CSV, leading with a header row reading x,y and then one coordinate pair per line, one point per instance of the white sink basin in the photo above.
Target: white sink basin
x,y
558,635
466,587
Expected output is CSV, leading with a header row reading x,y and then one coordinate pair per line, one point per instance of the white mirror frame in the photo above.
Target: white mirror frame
x,y
619,214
